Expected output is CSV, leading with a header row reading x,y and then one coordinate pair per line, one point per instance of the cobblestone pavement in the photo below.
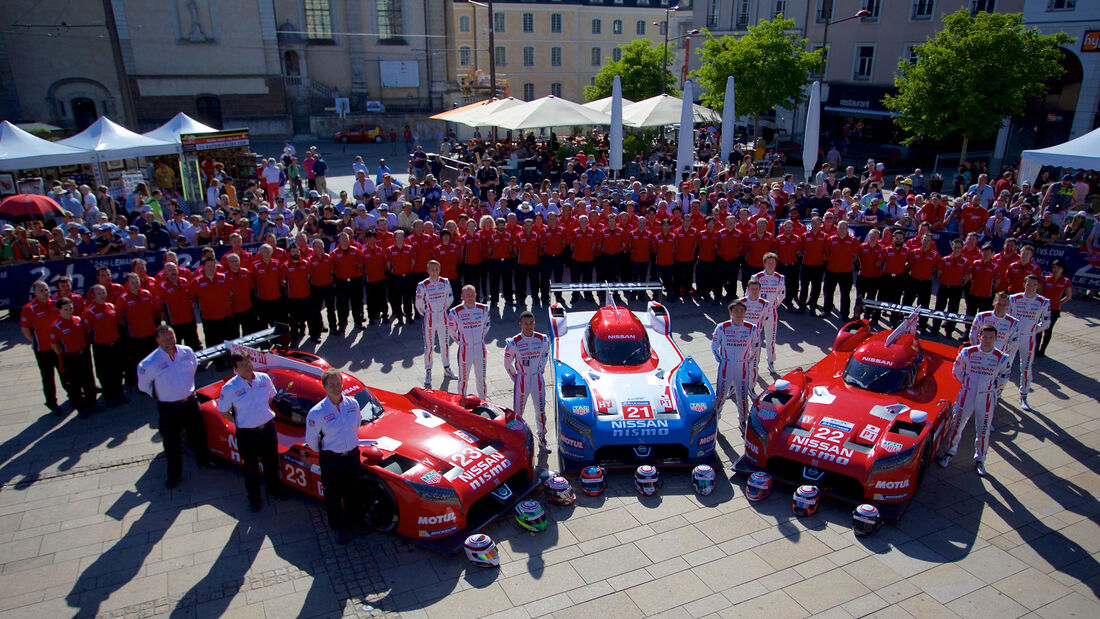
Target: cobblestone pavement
x,y
87,528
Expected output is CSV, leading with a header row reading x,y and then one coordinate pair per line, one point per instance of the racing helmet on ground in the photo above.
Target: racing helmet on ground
x,y
702,479
592,480
558,491
805,501
530,516
482,551
647,480
866,519
759,486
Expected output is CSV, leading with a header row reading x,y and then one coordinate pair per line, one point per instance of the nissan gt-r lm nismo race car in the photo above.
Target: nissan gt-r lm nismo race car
x,y
864,422
623,391
436,466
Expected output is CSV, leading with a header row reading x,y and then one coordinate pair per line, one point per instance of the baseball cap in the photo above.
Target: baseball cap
x,y
219,217
7,228
1067,177
263,209
314,194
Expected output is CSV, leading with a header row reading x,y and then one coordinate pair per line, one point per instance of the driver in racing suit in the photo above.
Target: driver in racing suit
x,y
761,312
1033,312
468,324
736,347
433,299
773,287
981,371
1008,328
525,356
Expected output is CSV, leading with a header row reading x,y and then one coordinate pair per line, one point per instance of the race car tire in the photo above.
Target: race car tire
x,y
343,139
377,139
380,507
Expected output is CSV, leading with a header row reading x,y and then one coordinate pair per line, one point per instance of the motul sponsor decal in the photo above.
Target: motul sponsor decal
x,y
575,444
892,485
708,439
450,516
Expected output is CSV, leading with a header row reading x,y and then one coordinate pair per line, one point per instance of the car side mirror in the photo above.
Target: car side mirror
x,y
372,454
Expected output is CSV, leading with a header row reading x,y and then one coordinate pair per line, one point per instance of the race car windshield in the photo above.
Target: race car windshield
x,y
876,378
369,407
618,352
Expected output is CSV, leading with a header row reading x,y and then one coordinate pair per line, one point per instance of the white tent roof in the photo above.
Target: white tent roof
x,y
180,123
1080,153
664,110
21,150
604,105
481,115
113,141
549,111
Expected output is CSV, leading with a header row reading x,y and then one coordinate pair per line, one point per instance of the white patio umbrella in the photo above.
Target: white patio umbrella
x,y
549,111
729,117
664,110
616,134
479,114
604,105
813,131
685,152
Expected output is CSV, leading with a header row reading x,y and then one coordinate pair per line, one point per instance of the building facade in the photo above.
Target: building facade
x,y
557,47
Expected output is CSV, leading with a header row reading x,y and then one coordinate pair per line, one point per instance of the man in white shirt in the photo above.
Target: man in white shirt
x,y
248,397
332,430
736,347
433,298
1033,312
981,371
468,324
525,357
168,376
271,175
364,187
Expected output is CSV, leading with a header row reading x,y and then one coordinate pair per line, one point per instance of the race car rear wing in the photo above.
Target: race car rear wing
x,y
608,288
280,334
908,309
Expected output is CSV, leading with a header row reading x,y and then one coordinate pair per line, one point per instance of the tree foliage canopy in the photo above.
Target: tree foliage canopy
x,y
640,69
769,63
972,74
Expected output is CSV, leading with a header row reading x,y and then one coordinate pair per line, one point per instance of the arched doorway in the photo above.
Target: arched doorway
x,y
209,111
84,113
291,64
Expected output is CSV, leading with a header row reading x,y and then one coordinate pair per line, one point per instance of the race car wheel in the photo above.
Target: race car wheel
x,y
343,139
922,467
380,507
378,139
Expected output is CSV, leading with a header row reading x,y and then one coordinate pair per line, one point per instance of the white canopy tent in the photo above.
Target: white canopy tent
x,y
481,115
21,150
109,140
549,111
604,105
180,123
1079,153
664,110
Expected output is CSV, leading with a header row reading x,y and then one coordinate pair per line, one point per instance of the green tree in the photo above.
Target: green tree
x,y
971,75
769,63
640,70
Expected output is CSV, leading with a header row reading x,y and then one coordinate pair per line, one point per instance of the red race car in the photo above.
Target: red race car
x,y
864,422
436,466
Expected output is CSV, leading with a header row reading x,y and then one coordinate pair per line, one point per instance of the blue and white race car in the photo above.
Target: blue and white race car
x,y
624,393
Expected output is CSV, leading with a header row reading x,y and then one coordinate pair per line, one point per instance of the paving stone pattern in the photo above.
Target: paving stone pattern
x,y
87,528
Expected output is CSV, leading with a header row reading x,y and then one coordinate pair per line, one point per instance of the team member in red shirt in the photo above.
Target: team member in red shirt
x,y
813,266
664,247
687,245
840,255
423,242
295,276
1021,268
448,254
922,267
140,313
146,281
554,242
982,272
474,254
527,243
639,240
894,259
583,243
1003,259
399,264
36,320
1058,289
174,292
374,274
788,246
101,321
243,281
70,343
348,272
322,290
64,287
706,279
498,247
972,217
869,276
103,278
214,293
757,243
952,272
269,286
731,252
612,241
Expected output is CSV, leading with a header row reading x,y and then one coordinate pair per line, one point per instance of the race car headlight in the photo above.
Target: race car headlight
x,y
433,493
893,461
757,428
573,423
702,423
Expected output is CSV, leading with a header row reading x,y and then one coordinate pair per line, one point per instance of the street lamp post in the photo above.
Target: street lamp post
x,y
664,66
825,44
488,4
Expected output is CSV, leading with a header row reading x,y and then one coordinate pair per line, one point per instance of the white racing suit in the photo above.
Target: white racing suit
x,y
525,360
737,350
469,326
432,300
761,313
773,288
1008,335
981,375
1034,316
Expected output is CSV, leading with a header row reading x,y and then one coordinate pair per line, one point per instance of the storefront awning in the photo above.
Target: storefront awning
x,y
858,112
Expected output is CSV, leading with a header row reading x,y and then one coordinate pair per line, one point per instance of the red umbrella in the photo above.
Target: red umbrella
x,y
28,206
